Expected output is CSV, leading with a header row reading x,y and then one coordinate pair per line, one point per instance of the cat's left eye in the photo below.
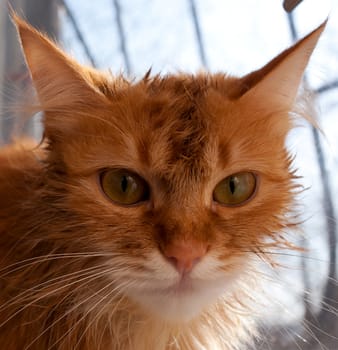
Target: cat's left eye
x,y
236,189
124,187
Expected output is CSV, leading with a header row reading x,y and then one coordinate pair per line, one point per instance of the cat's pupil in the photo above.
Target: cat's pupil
x,y
232,185
124,183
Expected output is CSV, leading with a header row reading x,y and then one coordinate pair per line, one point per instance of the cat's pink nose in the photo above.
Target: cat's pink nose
x,y
184,255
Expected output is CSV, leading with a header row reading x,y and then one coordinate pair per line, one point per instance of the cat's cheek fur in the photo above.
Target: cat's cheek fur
x,y
173,298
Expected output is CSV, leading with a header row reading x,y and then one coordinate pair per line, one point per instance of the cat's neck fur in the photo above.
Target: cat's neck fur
x,y
219,327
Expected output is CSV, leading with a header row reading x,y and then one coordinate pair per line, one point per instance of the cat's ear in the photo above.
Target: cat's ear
x,y
59,80
277,83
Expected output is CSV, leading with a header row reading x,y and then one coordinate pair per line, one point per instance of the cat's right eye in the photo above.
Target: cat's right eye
x,y
124,187
236,189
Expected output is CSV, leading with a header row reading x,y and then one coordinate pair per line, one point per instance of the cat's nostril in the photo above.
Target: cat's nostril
x,y
185,255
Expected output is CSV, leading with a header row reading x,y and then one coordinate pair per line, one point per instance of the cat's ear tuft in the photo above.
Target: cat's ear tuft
x,y
58,79
277,83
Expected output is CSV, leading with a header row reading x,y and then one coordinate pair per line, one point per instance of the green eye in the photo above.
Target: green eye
x,y
235,189
124,187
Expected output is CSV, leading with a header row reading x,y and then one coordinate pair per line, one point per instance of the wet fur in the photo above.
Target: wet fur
x,y
74,266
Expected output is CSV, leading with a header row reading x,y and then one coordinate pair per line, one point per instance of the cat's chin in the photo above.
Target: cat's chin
x,y
184,300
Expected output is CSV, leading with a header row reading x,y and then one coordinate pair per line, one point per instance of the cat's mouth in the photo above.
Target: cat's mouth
x,y
184,284
182,295
181,299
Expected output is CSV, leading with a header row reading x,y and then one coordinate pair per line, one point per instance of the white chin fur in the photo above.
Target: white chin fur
x,y
173,301
180,306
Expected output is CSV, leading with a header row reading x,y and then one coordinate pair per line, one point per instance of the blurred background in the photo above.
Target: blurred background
x,y
130,36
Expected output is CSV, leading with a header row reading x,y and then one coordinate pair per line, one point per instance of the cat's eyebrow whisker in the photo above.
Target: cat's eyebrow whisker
x,y
78,114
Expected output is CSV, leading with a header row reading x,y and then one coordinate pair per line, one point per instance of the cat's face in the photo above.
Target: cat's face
x,y
178,181
183,137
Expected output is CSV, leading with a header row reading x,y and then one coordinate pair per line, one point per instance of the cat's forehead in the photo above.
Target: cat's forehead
x,y
168,122
185,106
179,119
179,129
161,127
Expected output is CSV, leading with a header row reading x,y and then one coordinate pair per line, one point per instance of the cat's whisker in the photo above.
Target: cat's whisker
x,y
54,291
102,270
76,306
117,299
303,255
311,258
294,332
292,267
285,333
26,234
95,318
308,327
47,258
48,284
90,309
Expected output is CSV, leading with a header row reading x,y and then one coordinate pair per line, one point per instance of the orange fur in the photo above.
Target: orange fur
x,y
76,270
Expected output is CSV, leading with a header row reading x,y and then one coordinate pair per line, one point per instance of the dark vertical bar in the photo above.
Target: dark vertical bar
x,y
306,280
42,15
307,303
292,27
123,41
16,81
3,19
78,33
322,324
328,200
198,33
290,5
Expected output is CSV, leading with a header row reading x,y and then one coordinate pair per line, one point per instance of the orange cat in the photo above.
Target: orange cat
x,y
137,222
